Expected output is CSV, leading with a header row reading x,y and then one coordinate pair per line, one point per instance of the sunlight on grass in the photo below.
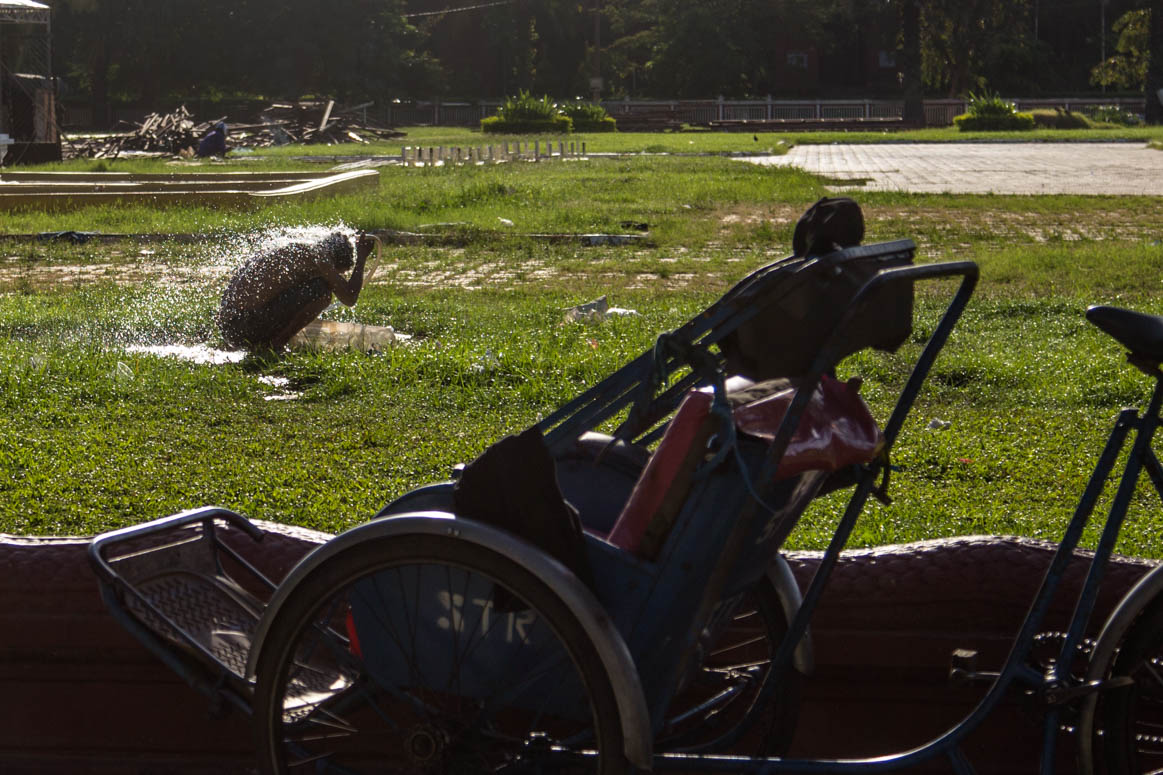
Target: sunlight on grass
x,y
98,435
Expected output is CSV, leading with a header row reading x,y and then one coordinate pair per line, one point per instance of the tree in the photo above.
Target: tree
x,y
729,47
1127,68
960,37
626,53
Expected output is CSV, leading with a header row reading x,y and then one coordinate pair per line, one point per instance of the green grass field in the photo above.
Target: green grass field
x,y
94,435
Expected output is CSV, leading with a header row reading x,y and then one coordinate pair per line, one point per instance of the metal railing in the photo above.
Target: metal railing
x,y
938,112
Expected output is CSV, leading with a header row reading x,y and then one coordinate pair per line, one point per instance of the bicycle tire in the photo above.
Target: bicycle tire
x,y
730,704
1132,731
346,683
753,716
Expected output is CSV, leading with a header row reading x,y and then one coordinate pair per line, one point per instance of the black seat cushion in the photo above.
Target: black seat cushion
x,y
1139,332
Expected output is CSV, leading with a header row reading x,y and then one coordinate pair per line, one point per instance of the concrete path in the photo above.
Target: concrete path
x,y
982,168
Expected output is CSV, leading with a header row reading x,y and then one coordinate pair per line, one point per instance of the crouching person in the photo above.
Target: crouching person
x,y
275,294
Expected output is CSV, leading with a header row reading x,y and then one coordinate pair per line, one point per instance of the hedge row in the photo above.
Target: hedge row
x,y
967,122
556,125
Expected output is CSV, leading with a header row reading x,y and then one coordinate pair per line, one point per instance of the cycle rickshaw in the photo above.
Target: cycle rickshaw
x,y
605,593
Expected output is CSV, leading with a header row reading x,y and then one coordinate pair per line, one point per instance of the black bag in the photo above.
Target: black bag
x,y
830,224
819,284
513,485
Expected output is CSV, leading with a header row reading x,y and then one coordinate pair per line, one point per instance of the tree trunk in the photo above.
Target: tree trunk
x,y
909,56
1154,91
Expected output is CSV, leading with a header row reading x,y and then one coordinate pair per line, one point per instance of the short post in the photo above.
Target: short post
x,y
561,149
536,150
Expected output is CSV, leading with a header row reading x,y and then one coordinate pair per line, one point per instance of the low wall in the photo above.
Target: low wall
x,y
79,694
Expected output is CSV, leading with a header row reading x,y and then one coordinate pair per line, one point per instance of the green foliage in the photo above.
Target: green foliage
x,y
526,107
990,112
554,125
1127,68
588,117
1113,114
990,105
1060,119
967,42
526,114
1015,122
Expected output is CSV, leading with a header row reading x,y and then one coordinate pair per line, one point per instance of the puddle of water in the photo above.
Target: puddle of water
x,y
194,353
207,356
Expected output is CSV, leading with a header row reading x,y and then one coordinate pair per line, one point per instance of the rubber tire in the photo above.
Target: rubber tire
x,y
593,474
372,557
1124,709
762,720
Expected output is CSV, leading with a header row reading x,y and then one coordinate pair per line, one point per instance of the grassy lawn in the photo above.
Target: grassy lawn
x,y
95,434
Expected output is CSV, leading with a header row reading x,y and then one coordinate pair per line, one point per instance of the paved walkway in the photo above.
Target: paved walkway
x,y
982,168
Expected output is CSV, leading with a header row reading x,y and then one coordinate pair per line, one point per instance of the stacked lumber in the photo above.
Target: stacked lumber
x,y
162,134
322,122
178,133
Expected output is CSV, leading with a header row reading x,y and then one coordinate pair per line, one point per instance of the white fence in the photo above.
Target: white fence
x,y
695,112
937,112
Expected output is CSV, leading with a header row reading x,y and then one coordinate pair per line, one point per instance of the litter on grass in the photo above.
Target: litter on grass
x,y
334,336
596,311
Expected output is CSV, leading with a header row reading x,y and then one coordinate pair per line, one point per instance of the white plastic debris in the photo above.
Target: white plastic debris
x,y
596,311
487,362
938,425
333,336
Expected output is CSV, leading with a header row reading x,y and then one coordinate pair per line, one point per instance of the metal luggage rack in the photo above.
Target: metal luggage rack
x,y
192,599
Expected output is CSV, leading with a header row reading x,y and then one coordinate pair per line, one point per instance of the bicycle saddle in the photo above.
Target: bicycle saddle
x,y
1140,333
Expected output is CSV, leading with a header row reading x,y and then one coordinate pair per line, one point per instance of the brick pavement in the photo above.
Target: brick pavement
x,y
982,168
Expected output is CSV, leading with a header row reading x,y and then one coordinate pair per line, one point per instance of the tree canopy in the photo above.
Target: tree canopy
x,y
159,52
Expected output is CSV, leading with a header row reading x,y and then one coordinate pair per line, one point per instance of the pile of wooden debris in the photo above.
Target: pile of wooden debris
x,y
178,134
319,122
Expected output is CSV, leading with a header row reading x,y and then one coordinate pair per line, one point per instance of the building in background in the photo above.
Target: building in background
x,y
27,87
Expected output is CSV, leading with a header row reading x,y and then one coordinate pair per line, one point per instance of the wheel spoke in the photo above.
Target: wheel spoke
x,y
437,673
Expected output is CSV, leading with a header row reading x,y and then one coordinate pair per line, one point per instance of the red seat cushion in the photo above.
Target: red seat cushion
x,y
835,430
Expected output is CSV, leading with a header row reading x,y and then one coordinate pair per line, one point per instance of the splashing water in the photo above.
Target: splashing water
x,y
171,313
196,353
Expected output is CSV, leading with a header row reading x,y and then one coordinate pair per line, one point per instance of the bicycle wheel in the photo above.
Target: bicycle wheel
x,y
732,703
1132,737
424,654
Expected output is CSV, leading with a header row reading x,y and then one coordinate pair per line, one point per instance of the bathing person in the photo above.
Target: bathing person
x,y
275,294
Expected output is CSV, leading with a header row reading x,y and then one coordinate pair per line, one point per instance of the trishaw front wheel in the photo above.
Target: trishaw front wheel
x,y
425,653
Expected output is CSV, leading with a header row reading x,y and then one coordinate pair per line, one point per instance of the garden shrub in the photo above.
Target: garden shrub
x,y
526,114
1113,114
589,117
990,113
1057,118
1019,122
557,125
